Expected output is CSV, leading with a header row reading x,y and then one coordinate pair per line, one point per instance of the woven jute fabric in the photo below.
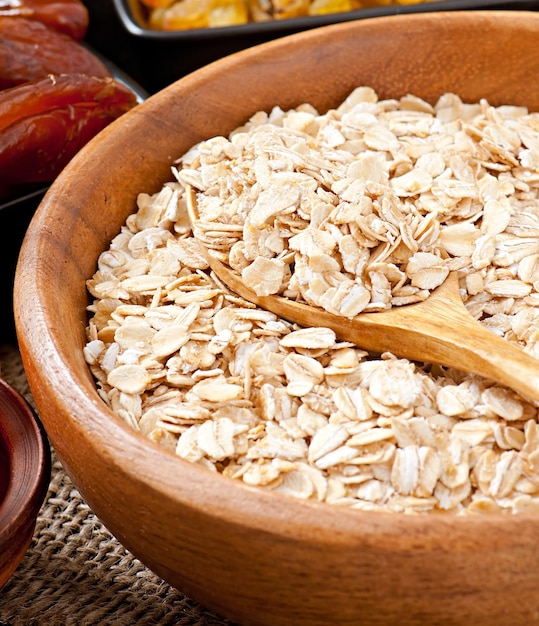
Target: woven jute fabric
x,y
75,573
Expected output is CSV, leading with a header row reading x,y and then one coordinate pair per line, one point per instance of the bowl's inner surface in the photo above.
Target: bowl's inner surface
x,y
4,468
24,458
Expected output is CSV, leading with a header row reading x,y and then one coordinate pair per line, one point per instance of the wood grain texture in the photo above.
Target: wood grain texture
x,y
260,558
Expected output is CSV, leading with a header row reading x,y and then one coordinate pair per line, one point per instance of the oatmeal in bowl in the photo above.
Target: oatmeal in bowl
x,y
367,206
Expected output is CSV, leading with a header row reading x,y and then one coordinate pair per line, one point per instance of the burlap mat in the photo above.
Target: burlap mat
x,y
75,573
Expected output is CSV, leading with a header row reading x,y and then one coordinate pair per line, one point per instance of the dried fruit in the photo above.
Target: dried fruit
x,y
44,123
188,14
30,50
65,16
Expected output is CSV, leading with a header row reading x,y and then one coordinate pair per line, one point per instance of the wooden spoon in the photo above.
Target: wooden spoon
x,y
438,330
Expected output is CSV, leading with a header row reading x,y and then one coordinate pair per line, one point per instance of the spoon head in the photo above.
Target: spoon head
x,y
406,331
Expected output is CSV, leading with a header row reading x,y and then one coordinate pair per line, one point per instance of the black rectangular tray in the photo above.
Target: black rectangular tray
x,y
158,58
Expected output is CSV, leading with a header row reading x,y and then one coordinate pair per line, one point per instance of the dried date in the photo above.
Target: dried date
x,y
29,50
44,123
65,16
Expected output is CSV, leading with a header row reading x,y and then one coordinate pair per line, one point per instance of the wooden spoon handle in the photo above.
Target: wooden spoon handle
x,y
439,330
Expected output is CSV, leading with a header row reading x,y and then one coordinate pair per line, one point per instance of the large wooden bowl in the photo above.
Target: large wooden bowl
x,y
257,557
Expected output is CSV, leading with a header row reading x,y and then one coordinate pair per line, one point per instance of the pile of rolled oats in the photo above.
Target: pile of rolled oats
x,y
362,208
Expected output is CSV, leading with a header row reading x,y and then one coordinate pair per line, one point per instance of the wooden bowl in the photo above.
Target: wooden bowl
x,y
253,556
25,467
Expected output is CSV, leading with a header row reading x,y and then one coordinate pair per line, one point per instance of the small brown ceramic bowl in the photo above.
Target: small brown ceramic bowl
x,y
257,557
25,467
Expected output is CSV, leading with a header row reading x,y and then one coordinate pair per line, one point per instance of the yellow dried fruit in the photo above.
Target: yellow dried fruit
x,y
263,10
326,7
190,14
